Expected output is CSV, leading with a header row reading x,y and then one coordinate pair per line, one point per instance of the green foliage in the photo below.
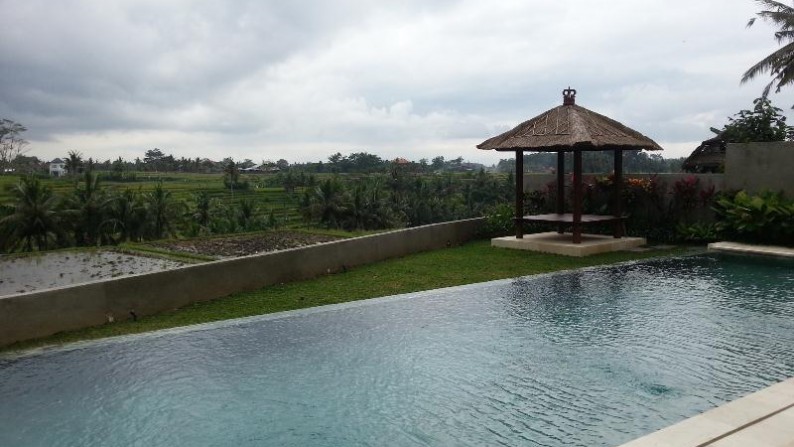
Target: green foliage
x,y
33,222
400,199
74,163
162,213
499,220
764,123
655,210
763,218
699,232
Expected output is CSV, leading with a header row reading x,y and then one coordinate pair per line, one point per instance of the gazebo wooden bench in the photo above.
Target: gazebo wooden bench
x,y
563,219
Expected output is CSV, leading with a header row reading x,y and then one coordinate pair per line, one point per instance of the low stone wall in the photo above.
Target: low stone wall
x,y
41,313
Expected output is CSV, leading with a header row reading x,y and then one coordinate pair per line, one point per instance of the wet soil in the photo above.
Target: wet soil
x,y
25,274
244,245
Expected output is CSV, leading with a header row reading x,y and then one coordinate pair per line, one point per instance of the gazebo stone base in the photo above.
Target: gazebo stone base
x,y
561,244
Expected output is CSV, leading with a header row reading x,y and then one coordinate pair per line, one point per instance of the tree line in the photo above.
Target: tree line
x,y
92,215
400,198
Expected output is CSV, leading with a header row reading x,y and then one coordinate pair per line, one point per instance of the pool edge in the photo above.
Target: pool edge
x,y
763,418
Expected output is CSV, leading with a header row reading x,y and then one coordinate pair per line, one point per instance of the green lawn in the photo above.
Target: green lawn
x,y
470,263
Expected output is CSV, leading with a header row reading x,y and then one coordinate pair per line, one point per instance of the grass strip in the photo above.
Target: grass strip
x,y
473,262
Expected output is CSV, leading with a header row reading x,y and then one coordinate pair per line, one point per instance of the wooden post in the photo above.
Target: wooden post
x,y
560,187
617,191
519,219
577,196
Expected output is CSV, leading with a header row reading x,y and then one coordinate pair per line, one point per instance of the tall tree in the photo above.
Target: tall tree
x,y
11,142
153,159
779,64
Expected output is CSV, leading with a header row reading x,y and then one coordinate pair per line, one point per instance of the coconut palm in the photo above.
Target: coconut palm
x,y
162,211
246,215
327,202
73,162
33,223
202,214
87,211
780,64
127,215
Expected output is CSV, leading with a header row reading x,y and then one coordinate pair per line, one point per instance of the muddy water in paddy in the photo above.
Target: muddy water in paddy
x,y
18,275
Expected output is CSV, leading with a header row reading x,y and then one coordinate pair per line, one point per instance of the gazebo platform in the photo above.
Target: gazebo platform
x,y
561,244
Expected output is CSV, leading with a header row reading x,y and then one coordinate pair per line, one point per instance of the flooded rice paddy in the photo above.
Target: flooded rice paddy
x,y
26,274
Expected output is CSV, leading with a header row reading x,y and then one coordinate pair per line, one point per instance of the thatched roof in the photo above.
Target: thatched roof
x,y
708,157
569,127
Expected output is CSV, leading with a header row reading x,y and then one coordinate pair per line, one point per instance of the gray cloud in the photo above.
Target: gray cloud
x,y
256,78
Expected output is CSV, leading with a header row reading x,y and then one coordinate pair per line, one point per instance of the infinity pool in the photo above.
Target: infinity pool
x,y
593,357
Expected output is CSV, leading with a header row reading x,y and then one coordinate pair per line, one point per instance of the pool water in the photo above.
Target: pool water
x,y
593,357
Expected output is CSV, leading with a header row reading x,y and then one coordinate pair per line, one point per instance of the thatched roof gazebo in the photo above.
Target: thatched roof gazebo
x,y
708,157
569,128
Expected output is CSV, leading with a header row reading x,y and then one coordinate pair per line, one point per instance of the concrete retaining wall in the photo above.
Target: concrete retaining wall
x,y
755,167
38,314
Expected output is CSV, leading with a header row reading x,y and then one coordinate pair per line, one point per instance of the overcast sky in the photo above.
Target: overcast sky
x,y
302,79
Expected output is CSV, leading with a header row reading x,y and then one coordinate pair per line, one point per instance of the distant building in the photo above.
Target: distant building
x,y
401,161
261,169
57,168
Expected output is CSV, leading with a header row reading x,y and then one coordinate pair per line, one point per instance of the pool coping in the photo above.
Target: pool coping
x,y
751,249
762,419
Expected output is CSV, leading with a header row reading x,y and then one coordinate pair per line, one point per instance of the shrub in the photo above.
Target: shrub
x,y
764,218
498,221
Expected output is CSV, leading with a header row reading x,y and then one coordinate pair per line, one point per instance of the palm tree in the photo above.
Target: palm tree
x,y
232,174
780,64
73,162
127,215
87,209
246,216
327,202
33,222
163,212
202,215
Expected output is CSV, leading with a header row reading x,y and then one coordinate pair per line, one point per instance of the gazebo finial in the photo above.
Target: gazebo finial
x,y
569,96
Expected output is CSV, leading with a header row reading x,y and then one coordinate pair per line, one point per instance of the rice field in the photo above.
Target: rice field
x,y
184,186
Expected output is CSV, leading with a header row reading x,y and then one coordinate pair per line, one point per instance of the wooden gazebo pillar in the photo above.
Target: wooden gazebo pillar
x,y
560,188
577,196
617,191
519,220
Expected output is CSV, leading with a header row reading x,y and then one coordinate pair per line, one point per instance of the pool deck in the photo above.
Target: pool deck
x,y
761,419
748,249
